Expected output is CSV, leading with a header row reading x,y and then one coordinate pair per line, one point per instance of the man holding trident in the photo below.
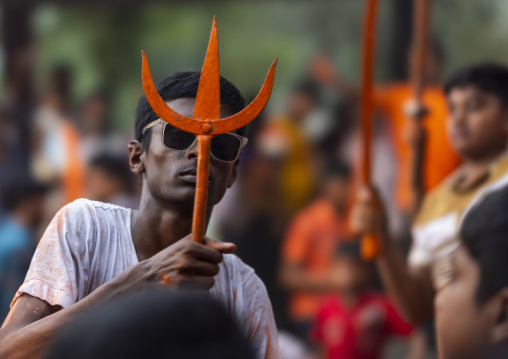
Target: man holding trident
x,y
93,252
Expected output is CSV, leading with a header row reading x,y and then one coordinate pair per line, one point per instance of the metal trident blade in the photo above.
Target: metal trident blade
x,y
208,98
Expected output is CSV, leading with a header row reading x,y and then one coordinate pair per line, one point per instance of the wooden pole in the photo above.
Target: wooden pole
x,y
370,243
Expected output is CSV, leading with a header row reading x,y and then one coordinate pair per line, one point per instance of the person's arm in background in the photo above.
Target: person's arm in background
x,y
294,277
415,337
293,274
410,288
416,138
417,345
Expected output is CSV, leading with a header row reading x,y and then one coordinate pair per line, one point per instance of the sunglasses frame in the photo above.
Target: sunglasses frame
x,y
243,140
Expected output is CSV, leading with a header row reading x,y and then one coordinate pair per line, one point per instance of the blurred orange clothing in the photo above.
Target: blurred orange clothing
x,y
311,242
73,177
440,159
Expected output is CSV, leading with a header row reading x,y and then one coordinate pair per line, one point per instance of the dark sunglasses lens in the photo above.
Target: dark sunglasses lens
x,y
177,139
225,147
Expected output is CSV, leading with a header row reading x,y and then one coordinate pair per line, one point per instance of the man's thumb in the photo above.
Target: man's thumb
x,y
224,247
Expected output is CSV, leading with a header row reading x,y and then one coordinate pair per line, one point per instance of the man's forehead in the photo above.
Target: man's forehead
x,y
185,106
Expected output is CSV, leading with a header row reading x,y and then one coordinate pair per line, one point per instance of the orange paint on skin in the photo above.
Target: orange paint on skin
x,y
206,122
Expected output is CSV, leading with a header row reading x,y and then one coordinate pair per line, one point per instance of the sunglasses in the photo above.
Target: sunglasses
x,y
225,147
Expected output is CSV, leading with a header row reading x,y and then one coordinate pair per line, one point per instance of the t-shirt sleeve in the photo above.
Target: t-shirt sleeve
x,y
60,264
394,321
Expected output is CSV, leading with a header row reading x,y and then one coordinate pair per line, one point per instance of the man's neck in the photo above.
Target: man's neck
x,y
473,169
349,298
156,225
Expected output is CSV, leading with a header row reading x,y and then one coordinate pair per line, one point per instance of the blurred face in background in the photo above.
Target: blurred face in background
x,y
350,274
477,122
336,189
101,186
465,327
300,104
94,114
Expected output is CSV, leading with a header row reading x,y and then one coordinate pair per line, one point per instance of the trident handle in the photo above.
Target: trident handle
x,y
201,196
370,244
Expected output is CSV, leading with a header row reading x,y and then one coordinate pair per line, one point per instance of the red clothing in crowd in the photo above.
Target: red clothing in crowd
x,y
359,332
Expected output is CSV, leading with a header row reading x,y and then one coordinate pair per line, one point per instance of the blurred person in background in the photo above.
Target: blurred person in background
x,y
23,200
285,134
109,180
394,102
354,322
307,250
164,324
12,157
96,127
56,156
478,130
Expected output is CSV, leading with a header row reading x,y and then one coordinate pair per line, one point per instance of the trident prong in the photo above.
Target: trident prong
x,y
206,122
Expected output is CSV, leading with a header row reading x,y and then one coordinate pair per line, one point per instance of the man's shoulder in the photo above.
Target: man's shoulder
x,y
441,201
235,274
87,203
82,207
236,267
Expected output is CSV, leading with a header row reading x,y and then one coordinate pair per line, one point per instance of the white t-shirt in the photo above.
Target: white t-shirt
x,y
89,243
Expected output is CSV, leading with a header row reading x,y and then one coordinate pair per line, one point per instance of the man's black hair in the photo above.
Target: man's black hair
x,y
19,186
349,248
307,87
183,85
484,234
153,324
336,169
489,77
114,166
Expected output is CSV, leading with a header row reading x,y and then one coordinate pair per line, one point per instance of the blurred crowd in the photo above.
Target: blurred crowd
x,y
288,213
297,185
66,151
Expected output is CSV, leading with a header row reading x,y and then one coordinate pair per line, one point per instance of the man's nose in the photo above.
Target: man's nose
x,y
192,152
458,116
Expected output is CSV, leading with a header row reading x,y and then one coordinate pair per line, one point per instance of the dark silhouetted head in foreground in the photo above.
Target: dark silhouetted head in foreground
x,y
153,325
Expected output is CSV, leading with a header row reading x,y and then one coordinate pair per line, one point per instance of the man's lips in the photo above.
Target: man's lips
x,y
190,175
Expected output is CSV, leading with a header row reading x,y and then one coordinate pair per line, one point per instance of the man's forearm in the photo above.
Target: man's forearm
x,y
298,279
32,341
408,291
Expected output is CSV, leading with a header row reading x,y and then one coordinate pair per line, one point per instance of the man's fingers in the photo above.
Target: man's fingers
x,y
198,267
201,252
223,247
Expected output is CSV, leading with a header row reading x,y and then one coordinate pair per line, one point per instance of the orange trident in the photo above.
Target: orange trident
x,y
370,244
206,122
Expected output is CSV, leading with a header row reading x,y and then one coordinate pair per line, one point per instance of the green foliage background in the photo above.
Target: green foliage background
x,y
102,43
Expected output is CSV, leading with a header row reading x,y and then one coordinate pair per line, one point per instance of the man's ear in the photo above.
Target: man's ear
x,y
500,330
234,174
136,153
